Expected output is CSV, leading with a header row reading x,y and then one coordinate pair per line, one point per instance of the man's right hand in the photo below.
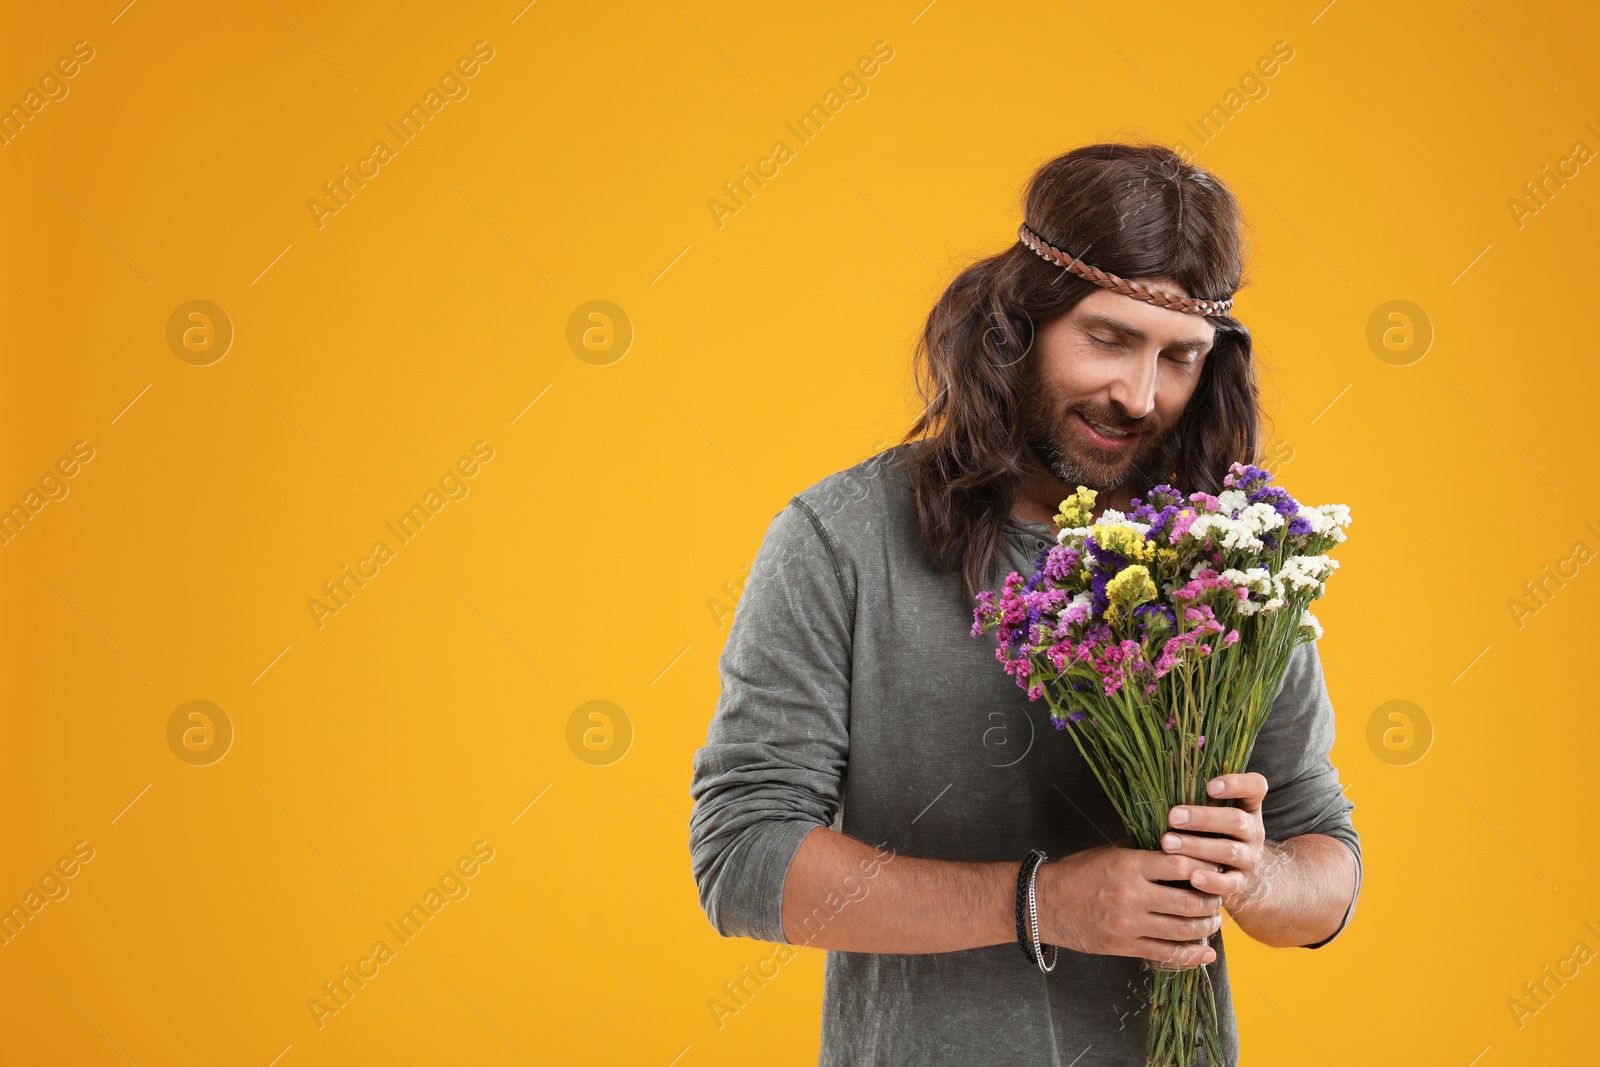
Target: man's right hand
x,y
1109,901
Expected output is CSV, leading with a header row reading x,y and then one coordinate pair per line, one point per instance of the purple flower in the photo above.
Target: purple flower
x,y
1278,497
1098,581
1161,522
1247,478
1060,562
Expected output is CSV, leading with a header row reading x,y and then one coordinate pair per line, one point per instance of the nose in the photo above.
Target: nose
x,y
1135,388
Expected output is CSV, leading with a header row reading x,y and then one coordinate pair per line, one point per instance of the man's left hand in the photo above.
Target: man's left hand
x,y
1239,852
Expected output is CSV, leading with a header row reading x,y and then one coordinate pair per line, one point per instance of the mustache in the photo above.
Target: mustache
x,y
1113,420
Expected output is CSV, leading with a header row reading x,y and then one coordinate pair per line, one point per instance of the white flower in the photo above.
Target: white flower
x,y
1229,533
1308,572
1279,595
1329,519
1309,621
1260,517
1320,523
1231,500
1256,579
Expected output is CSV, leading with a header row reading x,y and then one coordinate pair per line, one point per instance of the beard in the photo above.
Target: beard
x,y
1062,449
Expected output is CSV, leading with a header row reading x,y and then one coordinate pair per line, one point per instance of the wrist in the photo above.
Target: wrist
x,y
1036,947
1251,896
1001,910
1045,895
1050,888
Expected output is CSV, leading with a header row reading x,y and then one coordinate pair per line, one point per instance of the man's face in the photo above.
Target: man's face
x,y
1112,363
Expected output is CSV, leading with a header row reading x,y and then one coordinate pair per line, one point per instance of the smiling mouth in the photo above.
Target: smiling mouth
x,y
1107,431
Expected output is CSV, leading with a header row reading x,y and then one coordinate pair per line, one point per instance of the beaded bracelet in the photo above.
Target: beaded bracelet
x,y
1028,932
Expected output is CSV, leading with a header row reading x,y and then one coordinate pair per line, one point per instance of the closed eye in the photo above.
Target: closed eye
x,y
1187,357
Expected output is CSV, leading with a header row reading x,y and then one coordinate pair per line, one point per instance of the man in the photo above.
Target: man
x,y
871,779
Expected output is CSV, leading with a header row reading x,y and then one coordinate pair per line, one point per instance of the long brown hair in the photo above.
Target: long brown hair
x,y
1138,211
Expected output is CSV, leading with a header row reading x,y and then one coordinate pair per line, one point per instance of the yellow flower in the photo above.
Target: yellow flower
x,y
1130,588
1126,540
1076,509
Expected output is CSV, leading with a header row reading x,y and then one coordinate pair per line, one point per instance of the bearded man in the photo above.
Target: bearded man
x,y
871,782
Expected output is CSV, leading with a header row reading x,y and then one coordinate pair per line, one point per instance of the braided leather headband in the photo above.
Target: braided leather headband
x,y
1137,290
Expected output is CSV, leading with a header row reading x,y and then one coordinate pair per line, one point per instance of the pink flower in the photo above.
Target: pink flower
x,y
1180,525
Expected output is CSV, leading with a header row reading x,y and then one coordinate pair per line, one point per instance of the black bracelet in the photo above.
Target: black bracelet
x,y
1026,922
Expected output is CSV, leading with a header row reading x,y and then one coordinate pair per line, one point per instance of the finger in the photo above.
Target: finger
x,y
1249,788
1234,822
1176,953
1225,883
1184,903
1228,851
1166,866
1181,927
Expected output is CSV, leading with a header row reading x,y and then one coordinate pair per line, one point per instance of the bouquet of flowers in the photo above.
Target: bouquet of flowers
x,y
1159,639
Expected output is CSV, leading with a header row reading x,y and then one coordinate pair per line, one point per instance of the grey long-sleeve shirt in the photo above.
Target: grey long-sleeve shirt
x,y
853,695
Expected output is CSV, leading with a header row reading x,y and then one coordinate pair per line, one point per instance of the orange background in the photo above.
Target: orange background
x,y
628,491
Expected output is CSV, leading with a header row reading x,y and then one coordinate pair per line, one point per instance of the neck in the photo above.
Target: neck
x,y
1041,493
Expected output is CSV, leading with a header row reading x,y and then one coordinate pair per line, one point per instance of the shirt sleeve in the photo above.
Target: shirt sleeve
x,y
778,743
1292,752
